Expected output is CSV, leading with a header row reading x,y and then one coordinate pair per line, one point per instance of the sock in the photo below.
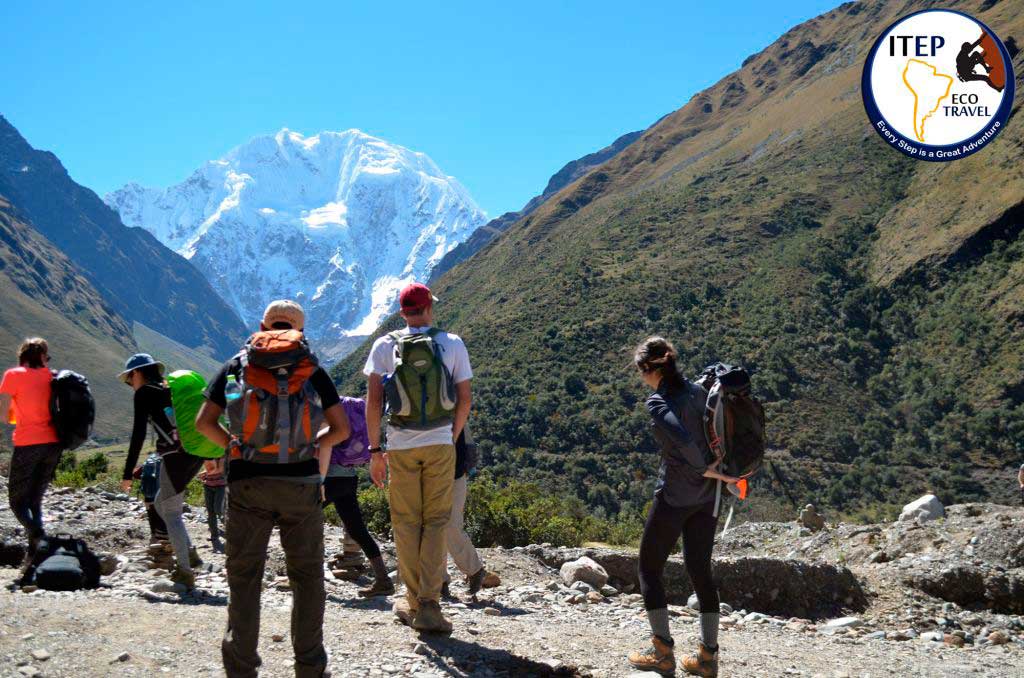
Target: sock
x,y
379,570
709,630
659,624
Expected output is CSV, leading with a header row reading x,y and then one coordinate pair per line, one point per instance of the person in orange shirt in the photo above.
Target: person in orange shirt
x,y
26,390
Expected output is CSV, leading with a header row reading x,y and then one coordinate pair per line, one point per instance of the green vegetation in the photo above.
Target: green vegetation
x,y
71,472
515,514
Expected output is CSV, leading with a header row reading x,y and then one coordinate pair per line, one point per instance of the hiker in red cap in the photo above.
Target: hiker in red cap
x,y
423,375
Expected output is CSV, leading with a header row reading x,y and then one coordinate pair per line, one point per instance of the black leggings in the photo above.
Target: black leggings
x,y
661,532
341,491
32,469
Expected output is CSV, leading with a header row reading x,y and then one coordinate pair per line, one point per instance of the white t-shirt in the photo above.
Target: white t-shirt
x,y
455,357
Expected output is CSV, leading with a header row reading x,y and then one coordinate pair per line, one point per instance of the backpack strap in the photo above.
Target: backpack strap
x,y
284,416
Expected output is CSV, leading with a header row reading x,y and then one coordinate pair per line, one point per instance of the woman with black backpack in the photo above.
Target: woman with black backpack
x,y
177,468
25,396
684,504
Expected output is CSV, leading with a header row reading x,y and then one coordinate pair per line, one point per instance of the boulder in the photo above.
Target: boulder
x,y
586,570
774,586
811,519
922,510
971,586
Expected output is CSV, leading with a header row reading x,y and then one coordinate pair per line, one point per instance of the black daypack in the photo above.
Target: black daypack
x,y
63,563
733,419
72,408
149,479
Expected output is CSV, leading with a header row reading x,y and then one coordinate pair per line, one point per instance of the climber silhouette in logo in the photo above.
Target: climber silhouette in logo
x,y
988,58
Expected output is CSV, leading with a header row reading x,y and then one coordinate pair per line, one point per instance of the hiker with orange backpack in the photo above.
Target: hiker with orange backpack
x,y
685,503
284,416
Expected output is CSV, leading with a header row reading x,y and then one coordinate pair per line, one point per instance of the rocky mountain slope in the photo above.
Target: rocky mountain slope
x,y
138,277
569,173
765,223
795,603
45,294
339,221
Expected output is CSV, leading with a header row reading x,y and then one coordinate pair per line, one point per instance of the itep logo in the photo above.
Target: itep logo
x,y
938,85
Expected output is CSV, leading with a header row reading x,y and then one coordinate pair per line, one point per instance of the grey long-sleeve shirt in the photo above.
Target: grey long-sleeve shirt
x,y
678,421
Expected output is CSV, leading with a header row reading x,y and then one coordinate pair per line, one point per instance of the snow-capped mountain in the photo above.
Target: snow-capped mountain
x,y
339,221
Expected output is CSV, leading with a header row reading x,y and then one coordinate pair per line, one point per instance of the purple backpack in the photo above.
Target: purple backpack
x,y
355,451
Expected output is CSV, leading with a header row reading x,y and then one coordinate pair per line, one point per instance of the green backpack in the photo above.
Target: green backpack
x,y
187,397
420,393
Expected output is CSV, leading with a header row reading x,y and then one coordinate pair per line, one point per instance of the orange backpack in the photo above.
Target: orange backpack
x,y
278,413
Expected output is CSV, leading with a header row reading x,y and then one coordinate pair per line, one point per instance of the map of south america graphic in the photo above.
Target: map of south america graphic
x,y
929,88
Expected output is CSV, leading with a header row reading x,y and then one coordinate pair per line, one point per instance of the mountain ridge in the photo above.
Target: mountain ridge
x,y
137,275
336,220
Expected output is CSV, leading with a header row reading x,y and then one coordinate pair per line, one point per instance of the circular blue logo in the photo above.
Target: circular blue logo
x,y
938,85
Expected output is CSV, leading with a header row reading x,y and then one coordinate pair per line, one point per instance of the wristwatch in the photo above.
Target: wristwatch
x,y
376,450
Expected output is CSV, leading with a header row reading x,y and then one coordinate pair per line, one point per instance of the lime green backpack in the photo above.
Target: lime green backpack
x,y
187,397
420,393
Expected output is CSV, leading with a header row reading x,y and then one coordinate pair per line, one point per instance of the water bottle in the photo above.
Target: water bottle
x,y
232,389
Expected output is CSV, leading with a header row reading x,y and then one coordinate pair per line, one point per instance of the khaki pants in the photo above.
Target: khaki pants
x,y
459,544
420,491
255,506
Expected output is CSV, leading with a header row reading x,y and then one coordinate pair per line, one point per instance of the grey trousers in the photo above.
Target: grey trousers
x,y
177,469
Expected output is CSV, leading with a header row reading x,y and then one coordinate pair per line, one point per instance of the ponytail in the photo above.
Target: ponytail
x,y
658,354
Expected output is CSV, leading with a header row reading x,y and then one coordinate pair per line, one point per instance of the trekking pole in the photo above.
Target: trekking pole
x,y
778,479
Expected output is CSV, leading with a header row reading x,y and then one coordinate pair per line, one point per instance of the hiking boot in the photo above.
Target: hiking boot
x,y
180,576
403,611
702,663
476,581
658,657
194,560
159,548
429,618
491,580
446,592
379,587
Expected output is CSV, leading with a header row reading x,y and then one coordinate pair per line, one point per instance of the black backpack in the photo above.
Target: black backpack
x,y
63,563
72,408
733,419
149,479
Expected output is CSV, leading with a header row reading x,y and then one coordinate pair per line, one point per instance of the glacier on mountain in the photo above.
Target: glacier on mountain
x,y
339,221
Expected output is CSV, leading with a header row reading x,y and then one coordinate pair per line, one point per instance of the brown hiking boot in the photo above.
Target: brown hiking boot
x,y
491,580
180,576
658,657
403,611
194,560
703,663
379,587
429,618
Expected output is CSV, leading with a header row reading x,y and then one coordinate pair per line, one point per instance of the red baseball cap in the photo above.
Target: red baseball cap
x,y
415,296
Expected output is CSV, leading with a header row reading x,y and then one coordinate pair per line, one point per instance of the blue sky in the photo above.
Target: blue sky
x,y
500,95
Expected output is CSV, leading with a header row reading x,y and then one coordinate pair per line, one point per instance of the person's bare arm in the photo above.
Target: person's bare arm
x,y
5,405
374,400
374,407
208,423
337,429
463,404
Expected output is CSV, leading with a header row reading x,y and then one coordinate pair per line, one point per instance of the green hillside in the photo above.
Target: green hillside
x,y
174,355
765,223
